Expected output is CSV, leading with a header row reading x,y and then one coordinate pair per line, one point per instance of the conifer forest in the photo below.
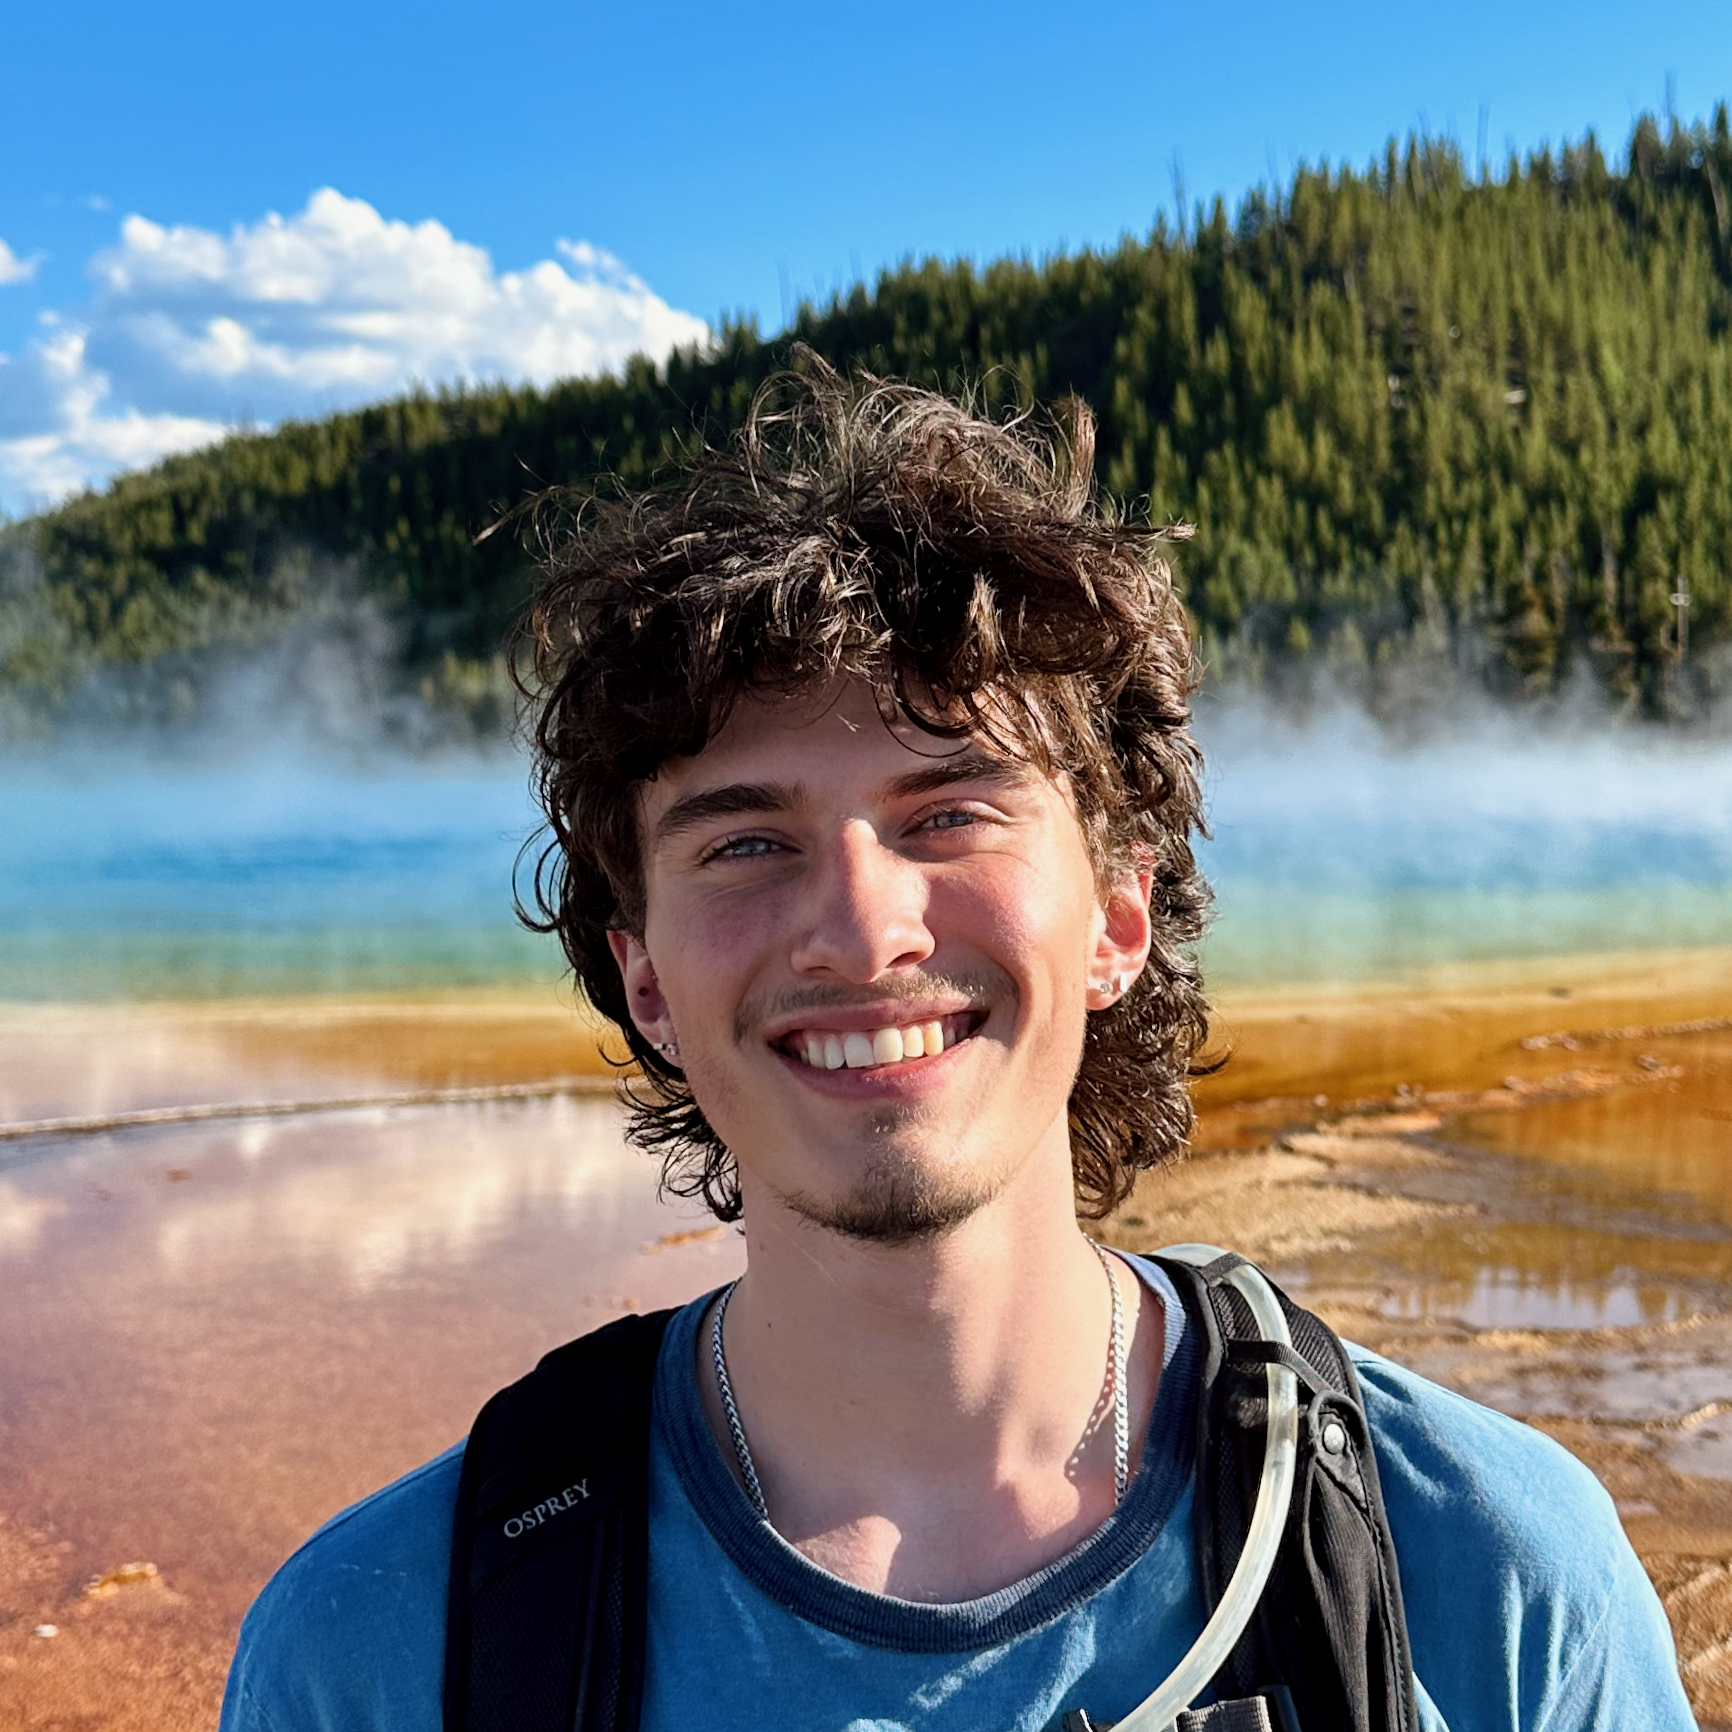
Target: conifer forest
x,y
1414,409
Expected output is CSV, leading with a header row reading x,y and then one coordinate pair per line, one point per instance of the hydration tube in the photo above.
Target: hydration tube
x,y
1158,1712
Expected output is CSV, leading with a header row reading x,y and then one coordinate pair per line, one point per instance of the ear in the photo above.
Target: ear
x,y
643,991
1121,947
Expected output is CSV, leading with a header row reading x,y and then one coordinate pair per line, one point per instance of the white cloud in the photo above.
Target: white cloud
x,y
59,431
14,269
189,332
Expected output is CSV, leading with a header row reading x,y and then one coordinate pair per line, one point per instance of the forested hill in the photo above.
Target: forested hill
x,y
1404,406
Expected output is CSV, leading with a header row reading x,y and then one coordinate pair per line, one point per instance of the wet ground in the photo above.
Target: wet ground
x,y
220,1327
215,1333
1520,1184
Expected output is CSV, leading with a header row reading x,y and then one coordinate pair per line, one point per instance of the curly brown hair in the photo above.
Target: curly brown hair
x,y
966,569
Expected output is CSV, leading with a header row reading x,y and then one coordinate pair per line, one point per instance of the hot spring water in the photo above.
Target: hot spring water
x,y
1335,856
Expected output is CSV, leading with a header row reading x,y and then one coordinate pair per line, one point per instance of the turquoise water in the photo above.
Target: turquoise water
x,y
1334,857
1337,856
261,876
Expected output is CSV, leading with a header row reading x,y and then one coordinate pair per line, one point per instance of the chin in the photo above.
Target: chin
x,y
897,1200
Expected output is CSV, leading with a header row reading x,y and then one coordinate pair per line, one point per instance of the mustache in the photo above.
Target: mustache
x,y
973,985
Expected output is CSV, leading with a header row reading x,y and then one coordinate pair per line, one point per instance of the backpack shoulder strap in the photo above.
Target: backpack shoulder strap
x,y
550,1548
1328,1645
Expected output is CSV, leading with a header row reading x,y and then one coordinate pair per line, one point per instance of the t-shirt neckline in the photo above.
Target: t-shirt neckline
x,y
790,1579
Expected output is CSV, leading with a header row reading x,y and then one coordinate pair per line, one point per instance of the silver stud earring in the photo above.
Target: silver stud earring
x,y
669,1049
1113,989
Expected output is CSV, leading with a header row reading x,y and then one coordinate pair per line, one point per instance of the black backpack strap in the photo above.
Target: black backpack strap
x,y
1328,1647
550,1549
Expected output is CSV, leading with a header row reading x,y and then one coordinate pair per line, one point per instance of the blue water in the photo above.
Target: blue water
x,y
265,875
1335,856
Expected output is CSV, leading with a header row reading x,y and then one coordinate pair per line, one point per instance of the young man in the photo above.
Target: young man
x,y
865,753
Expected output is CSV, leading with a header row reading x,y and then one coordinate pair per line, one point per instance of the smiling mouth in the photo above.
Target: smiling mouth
x,y
871,1049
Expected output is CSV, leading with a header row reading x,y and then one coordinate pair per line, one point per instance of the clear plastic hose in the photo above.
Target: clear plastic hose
x,y
1268,1516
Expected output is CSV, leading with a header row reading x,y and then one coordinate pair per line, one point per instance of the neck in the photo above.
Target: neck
x,y
927,1419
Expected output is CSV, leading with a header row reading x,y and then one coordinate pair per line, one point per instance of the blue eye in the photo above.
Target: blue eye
x,y
951,820
742,848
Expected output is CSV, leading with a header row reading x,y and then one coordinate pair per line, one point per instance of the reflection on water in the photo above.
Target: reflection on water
x,y
1520,1257
415,1202
1544,1247
1577,1153
215,1336
1674,1136
1652,1158
22,1217
363,1198
73,1061
1520,1299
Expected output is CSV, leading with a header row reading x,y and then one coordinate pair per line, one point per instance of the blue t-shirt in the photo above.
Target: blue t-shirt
x,y
1526,1607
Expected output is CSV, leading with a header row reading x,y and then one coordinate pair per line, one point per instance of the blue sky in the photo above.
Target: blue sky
x,y
526,189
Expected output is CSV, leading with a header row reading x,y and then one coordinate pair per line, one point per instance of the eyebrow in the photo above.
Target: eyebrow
x,y
962,767
742,799
735,800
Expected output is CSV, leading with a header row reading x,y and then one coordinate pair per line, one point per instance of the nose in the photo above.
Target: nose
x,y
865,910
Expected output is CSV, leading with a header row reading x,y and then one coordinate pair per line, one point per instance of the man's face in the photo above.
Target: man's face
x,y
875,950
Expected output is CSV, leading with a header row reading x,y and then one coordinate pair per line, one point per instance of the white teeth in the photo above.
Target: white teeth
x,y
859,1050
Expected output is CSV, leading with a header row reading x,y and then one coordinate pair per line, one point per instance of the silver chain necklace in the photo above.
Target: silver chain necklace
x,y
1117,1380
